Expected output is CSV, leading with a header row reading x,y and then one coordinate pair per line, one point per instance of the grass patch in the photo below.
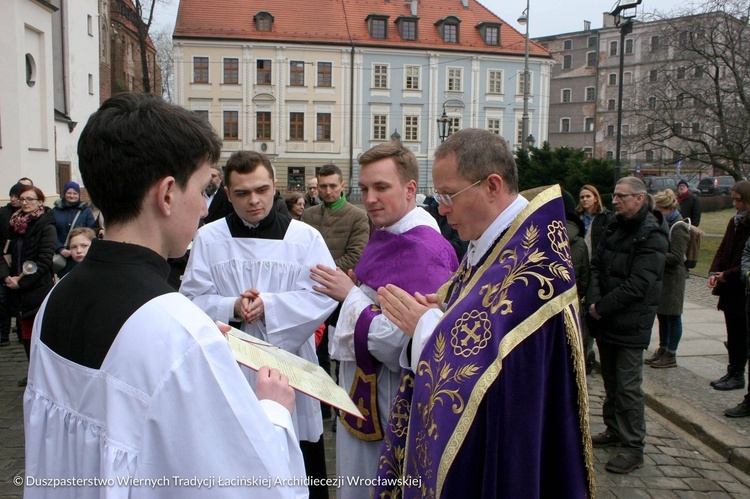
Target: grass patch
x,y
714,224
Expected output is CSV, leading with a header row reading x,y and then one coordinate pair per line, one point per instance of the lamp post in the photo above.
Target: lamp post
x,y
524,20
531,140
443,125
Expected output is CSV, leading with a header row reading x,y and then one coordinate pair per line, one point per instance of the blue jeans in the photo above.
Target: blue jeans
x,y
670,331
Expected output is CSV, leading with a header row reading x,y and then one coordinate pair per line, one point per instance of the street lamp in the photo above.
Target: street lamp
x,y
443,122
531,140
524,21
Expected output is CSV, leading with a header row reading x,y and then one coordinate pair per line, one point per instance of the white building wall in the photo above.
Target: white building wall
x,y
81,74
26,110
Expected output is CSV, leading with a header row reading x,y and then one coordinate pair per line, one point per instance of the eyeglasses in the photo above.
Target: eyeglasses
x,y
27,200
447,199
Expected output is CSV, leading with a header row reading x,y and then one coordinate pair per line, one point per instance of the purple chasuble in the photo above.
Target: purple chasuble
x,y
499,396
418,260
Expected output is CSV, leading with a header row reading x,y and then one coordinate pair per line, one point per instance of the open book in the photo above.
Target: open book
x,y
304,376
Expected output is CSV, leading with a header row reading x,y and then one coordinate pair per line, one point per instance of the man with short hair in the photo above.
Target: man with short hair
x,y
690,204
406,248
251,268
129,382
623,296
344,228
216,197
311,196
498,405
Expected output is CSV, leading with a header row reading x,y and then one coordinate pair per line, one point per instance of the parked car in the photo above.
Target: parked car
x,y
656,184
711,186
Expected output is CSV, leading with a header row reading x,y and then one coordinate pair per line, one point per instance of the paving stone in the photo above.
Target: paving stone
x,y
735,488
678,452
680,472
703,485
715,475
625,481
663,459
629,492
663,482
698,464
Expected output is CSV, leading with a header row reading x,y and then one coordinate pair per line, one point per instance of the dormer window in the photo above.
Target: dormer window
x,y
449,29
407,27
263,21
490,33
378,25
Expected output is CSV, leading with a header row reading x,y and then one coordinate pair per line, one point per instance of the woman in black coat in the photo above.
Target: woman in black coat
x,y
724,279
593,214
33,239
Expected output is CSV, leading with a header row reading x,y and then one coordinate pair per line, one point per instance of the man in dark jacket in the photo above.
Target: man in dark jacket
x,y
6,212
690,204
623,296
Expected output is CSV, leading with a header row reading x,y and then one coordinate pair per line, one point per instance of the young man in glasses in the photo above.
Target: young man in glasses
x,y
406,248
623,295
498,406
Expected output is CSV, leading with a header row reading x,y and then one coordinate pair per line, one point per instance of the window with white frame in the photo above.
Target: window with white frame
x,y
379,126
613,48
519,131
495,84
454,125
493,125
380,76
411,128
297,73
231,71
629,46
411,74
454,79
200,69
323,126
565,95
613,78
565,125
325,77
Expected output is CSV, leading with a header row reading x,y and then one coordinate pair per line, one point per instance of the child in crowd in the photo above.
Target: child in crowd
x,y
80,242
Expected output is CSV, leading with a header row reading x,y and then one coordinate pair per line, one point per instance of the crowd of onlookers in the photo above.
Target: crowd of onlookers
x,y
40,244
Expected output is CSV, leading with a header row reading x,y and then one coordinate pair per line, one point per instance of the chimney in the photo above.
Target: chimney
x,y
465,3
608,20
586,25
414,4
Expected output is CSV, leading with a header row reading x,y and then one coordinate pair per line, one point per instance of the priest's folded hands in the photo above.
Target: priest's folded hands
x,y
405,310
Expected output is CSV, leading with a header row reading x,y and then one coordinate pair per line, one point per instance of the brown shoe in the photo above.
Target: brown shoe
x,y
624,462
667,360
657,355
605,439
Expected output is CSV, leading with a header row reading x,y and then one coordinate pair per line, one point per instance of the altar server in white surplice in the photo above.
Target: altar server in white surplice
x,y
132,390
252,268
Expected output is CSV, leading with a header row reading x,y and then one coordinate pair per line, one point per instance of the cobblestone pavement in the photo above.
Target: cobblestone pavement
x,y
676,465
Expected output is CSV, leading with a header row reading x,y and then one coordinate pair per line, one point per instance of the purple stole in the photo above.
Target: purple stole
x,y
499,396
418,260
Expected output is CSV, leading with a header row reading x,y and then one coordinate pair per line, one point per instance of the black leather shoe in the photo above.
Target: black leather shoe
x,y
624,462
720,380
741,410
734,382
605,439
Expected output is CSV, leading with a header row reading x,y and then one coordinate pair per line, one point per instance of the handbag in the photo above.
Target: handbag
x,y
59,262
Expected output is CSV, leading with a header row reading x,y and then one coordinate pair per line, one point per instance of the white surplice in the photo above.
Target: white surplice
x,y
355,457
169,402
221,267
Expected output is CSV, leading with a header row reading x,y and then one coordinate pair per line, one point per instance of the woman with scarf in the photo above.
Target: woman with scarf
x,y
672,296
65,212
724,280
33,239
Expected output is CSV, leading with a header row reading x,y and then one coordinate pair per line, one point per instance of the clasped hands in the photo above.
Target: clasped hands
x,y
403,309
249,306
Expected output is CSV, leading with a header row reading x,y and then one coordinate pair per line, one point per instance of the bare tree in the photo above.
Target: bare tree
x,y
162,39
693,95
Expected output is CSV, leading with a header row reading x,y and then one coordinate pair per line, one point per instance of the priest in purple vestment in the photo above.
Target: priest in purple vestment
x,y
406,249
494,403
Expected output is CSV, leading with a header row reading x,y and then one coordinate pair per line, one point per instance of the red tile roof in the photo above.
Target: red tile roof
x,y
325,22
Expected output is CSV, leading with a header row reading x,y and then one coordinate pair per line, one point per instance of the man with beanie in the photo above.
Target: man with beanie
x,y
69,213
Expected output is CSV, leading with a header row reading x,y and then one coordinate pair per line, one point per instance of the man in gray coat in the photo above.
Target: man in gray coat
x,y
623,295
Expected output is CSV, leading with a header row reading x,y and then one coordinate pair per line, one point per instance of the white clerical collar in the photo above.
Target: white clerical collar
x,y
417,216
478,248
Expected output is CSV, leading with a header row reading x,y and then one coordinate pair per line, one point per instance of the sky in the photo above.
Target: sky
x,y
547,17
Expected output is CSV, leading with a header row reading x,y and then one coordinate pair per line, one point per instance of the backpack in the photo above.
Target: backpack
x,y
694,244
